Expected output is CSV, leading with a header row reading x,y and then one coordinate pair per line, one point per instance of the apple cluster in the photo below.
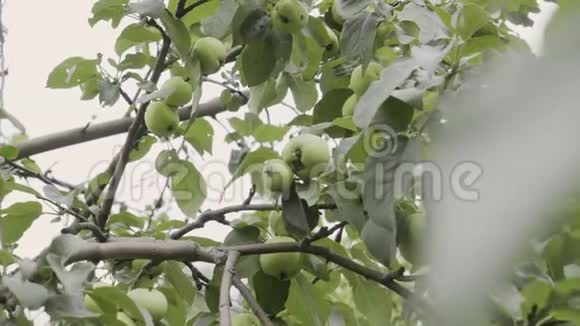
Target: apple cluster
x,y
161,117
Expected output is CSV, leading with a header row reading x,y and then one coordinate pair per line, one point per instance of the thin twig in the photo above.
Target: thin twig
x,y
198,277
254,305
218,215
132,135
78,227
189,8
226,284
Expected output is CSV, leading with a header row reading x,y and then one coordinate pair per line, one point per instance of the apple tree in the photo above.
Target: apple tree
x,y
327,235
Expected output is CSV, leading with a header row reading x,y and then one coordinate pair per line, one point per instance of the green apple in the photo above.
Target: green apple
x,y
125,319
308,155
412,233
360,79
245,319
277,176
211,54
336,16
289,16
161,120
282,265
331,48
181,91
349,105
152,300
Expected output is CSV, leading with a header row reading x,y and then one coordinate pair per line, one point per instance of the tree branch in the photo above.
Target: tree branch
x,y
134,131
219,215
254,305
226,284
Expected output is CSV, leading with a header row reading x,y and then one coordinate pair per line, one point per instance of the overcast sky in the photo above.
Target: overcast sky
x,y
41,37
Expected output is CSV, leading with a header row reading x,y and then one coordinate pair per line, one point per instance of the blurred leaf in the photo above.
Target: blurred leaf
x,y
72,72
200,136
17,218
182,283
178,33
108,10
218,24
257,62
271,292
358,37
188,188
28,294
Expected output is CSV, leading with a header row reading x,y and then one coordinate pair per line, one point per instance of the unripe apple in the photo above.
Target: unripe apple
x,y
282,265
412,234
308,155
161,120
289,16
245,319
349,105
152,300
277,176
331,48
125,319
361,80
181,91
211,54
336,16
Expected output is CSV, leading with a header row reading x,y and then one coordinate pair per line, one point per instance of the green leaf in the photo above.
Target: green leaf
x,y
379,187
178,33
358,37
188,188
307,303
473,17
200,136
6,258
257,62
17,218
299,218
218,24
9,152
136,61
253,161
372,301
268,133
182,283
391,78
135,34
28,294
72,72
350,206
248,265
349,8
73,278
380,242
304,93
430,25
329,108
142,148
306,55
201,12
271,292
108,10
127,219
109,92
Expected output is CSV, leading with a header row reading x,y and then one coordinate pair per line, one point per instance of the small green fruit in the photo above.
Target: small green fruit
x,y
308,155
152,300
361,80
412,234
161,120
211,54
289,16
125,319
245,319
350,105
277,176
181,91
281,265
331,48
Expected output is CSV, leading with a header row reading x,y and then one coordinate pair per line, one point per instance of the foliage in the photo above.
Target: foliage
x,y
347,232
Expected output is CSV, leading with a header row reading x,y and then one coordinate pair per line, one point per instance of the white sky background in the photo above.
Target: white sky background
x,y
42,34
